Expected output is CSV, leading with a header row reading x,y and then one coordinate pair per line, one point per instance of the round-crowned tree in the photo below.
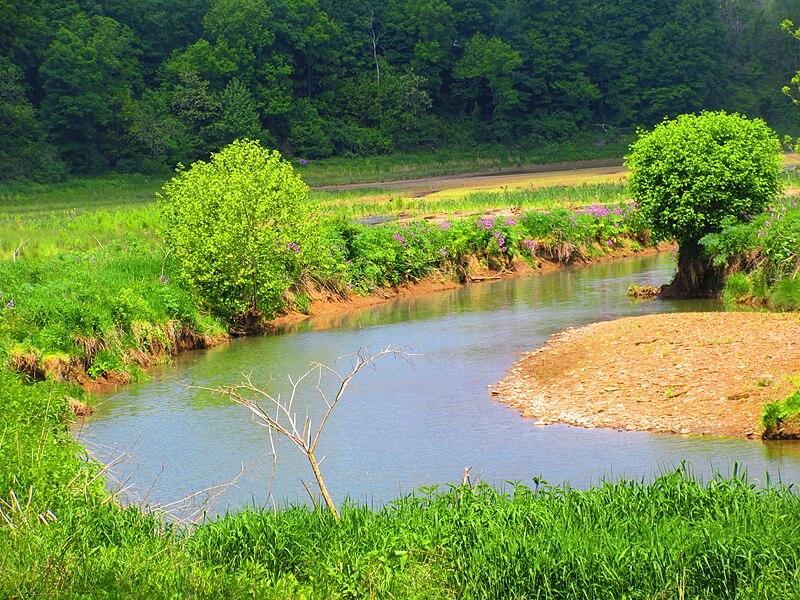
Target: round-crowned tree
x,y
691,173
240,228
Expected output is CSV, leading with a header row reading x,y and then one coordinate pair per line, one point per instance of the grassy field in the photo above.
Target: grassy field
x,y
39,221
340,171
79,194
92,284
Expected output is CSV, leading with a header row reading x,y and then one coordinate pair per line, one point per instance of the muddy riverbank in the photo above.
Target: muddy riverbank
x,y
708,373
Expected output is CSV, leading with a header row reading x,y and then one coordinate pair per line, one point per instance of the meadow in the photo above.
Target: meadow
x,y
341,171
85,282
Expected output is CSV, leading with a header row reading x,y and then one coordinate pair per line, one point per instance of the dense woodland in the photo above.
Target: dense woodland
x,y
88,86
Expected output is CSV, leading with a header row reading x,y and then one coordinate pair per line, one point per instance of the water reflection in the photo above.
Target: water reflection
x,y
408,424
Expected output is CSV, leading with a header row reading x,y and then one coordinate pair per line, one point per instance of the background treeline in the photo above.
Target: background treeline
x,y
88,86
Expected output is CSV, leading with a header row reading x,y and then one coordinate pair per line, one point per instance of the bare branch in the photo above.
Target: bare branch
x,y
282,418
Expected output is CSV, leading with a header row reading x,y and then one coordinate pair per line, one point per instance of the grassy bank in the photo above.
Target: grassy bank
x,y
94,292
62,537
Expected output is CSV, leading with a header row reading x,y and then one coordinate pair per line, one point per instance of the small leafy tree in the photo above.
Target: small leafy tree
x,y
239,229
790,90
690,174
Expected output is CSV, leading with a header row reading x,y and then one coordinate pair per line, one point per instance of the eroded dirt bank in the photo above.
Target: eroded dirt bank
x,y
672,373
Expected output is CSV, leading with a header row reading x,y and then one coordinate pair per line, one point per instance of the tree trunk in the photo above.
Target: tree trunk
x,y
318,475
697,277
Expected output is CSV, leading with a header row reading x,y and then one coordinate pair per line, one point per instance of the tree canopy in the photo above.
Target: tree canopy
x,y
692,174
239,228
132,86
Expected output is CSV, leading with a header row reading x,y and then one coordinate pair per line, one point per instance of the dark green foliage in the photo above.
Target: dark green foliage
x,y
24,151
696,174
133,86
89,74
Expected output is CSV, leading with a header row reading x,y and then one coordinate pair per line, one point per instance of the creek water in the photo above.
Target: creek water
x,y
406,423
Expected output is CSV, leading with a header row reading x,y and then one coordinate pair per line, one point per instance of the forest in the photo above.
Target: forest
x,y
92,86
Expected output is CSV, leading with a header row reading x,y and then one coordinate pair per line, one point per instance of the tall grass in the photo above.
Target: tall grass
x,y
102,307
533,198
363,203
79,194
44,235
673,538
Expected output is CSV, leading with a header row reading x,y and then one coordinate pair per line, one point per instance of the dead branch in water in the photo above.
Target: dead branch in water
x,y
279,415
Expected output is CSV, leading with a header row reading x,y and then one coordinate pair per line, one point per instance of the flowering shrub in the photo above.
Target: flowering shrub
x,y
392,253
767,249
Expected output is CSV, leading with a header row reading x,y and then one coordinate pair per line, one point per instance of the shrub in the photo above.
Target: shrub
x,y
786,293
239,228
695,173
776,413
737,288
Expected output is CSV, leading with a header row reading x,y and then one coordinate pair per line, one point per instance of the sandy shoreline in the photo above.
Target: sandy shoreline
x,y
707,373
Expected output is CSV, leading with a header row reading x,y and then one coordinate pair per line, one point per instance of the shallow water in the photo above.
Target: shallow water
x,y
406,423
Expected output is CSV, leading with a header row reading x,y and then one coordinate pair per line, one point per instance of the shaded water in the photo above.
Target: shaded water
x,y
406,424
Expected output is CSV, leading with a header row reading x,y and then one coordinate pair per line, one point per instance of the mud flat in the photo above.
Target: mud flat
x,y
708,373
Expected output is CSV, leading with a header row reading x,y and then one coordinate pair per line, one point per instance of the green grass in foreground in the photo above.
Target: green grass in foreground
x,y
677,537
61,537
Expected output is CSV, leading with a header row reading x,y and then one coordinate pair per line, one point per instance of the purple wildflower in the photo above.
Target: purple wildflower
x,y
443,252
10,304
510,222
610,243
302,162
500,239
530,244
164,279
399,238
445,225
293,247
486,223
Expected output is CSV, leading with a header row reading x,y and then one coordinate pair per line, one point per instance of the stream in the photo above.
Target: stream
x,y
407,423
